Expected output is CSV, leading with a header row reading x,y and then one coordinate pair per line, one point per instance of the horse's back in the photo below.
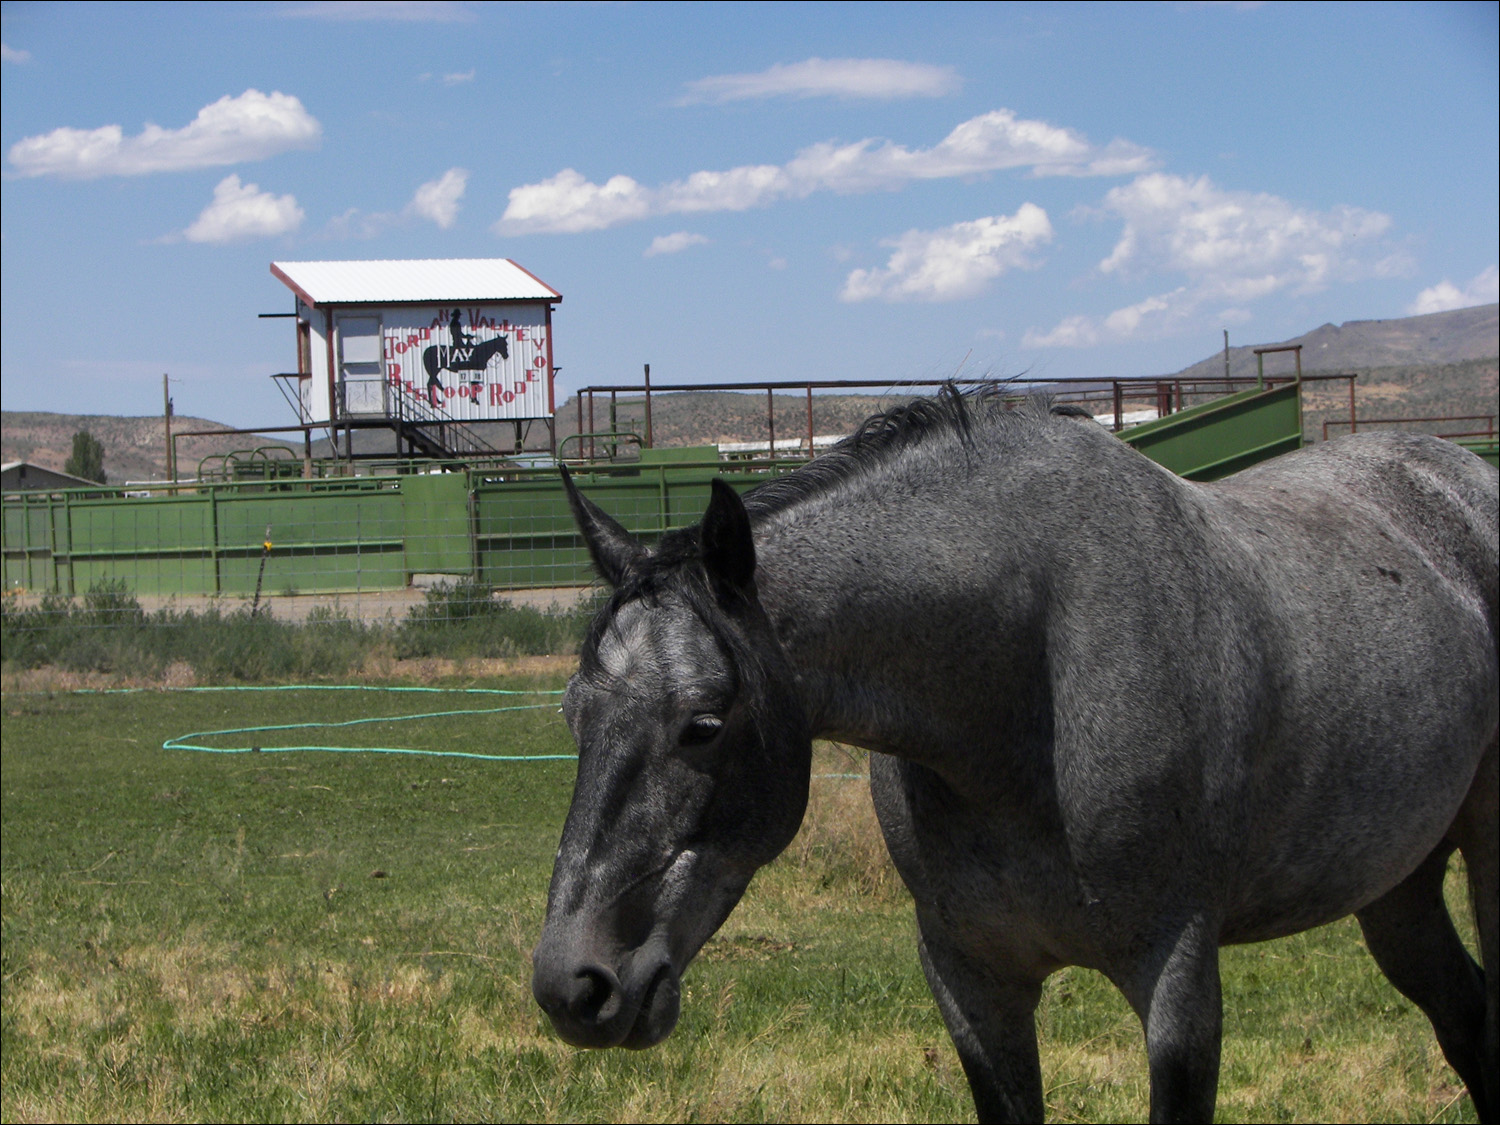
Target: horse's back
x,y
1439,499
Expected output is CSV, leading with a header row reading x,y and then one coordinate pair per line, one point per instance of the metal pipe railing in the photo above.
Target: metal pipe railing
x,y
1165,395
1354,423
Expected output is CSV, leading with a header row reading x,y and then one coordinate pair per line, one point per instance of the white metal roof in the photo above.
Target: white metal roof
x,y
432,279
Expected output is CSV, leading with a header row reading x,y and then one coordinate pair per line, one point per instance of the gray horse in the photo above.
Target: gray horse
x,y
1117,720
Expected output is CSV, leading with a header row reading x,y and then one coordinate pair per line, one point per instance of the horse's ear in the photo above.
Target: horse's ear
x,y
614,550
728,548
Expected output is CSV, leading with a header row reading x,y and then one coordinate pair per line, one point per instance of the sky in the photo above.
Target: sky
x,y
738,192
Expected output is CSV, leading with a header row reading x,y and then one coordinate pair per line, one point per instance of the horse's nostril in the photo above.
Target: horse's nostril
x,y
596,995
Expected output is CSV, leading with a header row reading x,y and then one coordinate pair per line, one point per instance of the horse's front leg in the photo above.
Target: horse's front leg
x,y
991,1021
987,999
1176,994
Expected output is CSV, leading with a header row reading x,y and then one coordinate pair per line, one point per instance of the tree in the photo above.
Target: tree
x,y
87,460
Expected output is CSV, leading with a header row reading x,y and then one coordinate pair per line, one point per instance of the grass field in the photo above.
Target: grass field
x,y
321,936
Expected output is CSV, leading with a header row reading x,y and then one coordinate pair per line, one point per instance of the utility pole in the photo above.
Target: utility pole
x,y
166,413
648,406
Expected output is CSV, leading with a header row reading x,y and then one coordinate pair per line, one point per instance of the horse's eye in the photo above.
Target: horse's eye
x,y
703,729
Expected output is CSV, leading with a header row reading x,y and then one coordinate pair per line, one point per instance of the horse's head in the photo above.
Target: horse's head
x,y
693,761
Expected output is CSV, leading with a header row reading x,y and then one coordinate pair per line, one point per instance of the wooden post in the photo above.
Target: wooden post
x,y
648,407
166,416
809,423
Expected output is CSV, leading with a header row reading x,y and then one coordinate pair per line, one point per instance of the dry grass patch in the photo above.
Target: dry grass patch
x,y
840,844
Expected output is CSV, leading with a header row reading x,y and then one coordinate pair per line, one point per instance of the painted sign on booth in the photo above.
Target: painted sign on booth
x,y
473,362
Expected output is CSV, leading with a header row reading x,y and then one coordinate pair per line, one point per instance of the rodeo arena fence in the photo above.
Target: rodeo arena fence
x,y
509,528
262,527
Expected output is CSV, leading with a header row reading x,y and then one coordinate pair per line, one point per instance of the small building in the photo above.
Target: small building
x,y
23,476
426,347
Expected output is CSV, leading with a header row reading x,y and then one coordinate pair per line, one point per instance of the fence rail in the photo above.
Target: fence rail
x,y
1444,420
507,525
1122,402
508,528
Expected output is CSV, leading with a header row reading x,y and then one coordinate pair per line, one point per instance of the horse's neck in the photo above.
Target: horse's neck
x,y
923,606
891,612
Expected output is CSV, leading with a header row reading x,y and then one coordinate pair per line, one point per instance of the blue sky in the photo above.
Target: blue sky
x,y
735,192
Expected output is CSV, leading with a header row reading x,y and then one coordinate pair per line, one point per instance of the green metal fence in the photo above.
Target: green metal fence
x,y
510,527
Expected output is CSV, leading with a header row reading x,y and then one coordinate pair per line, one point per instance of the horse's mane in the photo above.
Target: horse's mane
x,y
951,414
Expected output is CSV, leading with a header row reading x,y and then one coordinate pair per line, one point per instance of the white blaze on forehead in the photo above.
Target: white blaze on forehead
x,y
666,641
625,642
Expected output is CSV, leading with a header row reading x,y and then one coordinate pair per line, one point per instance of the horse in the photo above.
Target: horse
x,y
1116,719
455,358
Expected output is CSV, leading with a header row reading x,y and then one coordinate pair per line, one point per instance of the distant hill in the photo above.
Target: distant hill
x,y
134,448
1357,345
1440,364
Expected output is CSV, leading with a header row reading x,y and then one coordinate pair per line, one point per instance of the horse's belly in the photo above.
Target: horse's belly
x,y
1338,851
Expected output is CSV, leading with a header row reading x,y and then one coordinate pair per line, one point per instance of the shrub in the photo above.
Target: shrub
x,y
467,619
109,632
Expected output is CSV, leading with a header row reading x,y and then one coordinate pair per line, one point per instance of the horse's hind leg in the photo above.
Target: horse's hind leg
x,y
1477,834
1412,938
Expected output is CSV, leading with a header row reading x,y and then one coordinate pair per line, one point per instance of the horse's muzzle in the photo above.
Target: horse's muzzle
x,y
592,1005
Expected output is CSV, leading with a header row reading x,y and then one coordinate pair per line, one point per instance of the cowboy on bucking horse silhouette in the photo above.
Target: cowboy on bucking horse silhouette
x,y
463,354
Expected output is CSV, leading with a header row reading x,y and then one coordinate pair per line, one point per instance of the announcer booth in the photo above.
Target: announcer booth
x,y
430,349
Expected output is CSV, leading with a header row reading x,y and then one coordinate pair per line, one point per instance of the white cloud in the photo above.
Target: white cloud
x,y
1128,321
1483,289
11,55
438,199
995,141
955,262
738,189
355,223
252,126
674,243
395,11
567,204
1240,242
457,79
242,211
1233,247
883,79
1076,331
